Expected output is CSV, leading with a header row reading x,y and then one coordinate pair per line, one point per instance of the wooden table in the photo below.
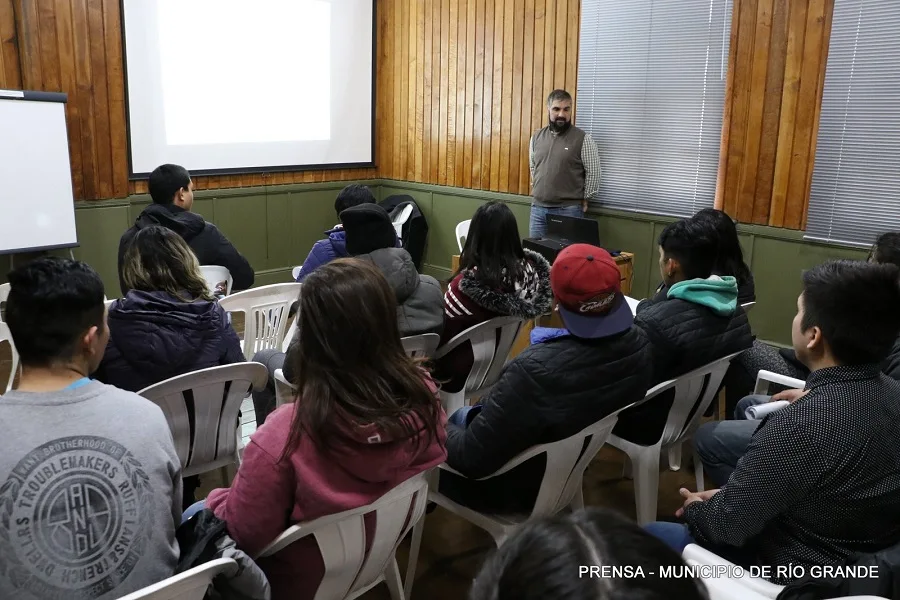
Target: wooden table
x,y
625,262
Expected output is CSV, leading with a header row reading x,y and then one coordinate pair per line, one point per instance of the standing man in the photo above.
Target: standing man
x,y
565,166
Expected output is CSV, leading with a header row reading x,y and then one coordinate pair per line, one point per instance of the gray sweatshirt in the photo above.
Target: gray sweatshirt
x,y
90,494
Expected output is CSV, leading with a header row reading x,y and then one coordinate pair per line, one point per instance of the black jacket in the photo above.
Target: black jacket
x,y
205,239
154,336
549,392
746,290
684,336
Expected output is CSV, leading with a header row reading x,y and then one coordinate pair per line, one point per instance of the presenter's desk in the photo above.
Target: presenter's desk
x,y
625,262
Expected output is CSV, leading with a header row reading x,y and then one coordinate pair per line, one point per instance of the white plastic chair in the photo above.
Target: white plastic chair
x,y
491,343
215,275
217,396
401,219
747,306
694,391
295,272
560,487
349,570
190,585
14,368
284,391
462,232
421,346
265,314
764,380
4,294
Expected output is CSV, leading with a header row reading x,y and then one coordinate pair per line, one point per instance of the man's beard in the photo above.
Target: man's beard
x,y
560,125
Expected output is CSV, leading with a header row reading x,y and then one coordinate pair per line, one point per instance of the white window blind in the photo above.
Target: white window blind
x,y
651,91
856,178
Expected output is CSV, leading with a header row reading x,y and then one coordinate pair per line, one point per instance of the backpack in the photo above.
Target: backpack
x,y
414,231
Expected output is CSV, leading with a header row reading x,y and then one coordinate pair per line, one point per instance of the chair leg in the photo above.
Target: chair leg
x,y
392,579
415,544
698,471
646,483
675,457
627,468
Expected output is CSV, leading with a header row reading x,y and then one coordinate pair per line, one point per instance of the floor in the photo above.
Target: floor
x,y
452,549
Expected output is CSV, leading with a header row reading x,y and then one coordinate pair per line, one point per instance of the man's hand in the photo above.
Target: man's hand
x,y
584,205
691,497
789,395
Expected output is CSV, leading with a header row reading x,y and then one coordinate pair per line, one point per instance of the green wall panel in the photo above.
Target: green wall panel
x,y
243,221
99,230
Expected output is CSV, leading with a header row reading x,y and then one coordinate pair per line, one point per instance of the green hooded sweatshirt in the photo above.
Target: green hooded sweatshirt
x,y
719,294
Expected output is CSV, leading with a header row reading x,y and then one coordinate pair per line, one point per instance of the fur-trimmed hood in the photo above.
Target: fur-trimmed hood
x,y
534,298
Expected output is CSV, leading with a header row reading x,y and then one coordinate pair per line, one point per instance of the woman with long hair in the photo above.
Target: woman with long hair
x,y
366,418
730,257
168,323
496,277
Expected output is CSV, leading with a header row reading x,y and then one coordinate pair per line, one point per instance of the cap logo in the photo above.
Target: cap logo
x,y
597,304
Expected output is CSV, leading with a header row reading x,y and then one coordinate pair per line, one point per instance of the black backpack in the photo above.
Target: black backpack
x,y
415,230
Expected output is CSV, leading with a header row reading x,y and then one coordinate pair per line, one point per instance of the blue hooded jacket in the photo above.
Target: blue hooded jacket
x,y
324,251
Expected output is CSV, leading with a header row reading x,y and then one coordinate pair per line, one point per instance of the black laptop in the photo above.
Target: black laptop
x,y
564,231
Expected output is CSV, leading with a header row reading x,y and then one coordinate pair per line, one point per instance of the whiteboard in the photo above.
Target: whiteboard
x,y
37,209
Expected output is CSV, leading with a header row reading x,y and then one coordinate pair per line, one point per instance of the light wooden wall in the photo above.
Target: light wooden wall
x,y
75,46
465,84
775,79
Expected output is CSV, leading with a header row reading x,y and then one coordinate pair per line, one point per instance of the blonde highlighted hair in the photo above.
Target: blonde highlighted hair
x,y
159,260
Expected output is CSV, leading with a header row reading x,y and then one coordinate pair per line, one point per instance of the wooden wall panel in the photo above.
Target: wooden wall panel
x,y
774,93
487,68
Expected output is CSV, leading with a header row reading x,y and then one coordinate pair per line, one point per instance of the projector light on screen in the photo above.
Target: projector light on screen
x,y
230,85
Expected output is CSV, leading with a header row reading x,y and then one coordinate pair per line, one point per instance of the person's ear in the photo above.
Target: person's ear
x,y
90,341
815,341
672,267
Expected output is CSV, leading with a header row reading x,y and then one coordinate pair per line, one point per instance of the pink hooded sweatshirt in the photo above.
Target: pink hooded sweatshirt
x,y
267,496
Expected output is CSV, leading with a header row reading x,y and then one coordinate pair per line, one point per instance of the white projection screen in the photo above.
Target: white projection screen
x,y
37,208
224,86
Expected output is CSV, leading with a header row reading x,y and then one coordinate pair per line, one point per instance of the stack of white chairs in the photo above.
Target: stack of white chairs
x,y
351,571
462,232
491,343
214,275
265,311
694,392
4,294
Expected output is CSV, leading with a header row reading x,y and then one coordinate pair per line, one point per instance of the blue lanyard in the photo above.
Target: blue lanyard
x,y
77,384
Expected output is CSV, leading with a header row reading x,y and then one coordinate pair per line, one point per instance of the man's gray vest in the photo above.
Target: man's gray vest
x,y
558,168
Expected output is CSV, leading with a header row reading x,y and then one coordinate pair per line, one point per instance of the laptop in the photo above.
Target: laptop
x,y
562,232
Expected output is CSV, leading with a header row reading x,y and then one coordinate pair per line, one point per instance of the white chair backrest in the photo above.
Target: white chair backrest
x,y
109,302
295,272
215,276
265,314
190,585
216,395
284,391
747,306
491,343
4,294
401,219
694,392
462,232
7,336
421,346
349,569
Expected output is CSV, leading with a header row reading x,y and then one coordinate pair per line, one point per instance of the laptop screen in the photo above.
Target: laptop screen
x,y
573,230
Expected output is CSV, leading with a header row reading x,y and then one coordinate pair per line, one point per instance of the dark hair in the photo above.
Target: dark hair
x,y
542,559
693,244
352,195
165,181
730,257
350,366
557,96
855,305
159,260
886,249
493,247
52,303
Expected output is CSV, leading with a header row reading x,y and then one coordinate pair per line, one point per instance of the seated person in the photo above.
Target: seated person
x,y
91,483
544,560
167,324
366,419
370,236
335,245
729,256
554,389
172,192
697,322
741,377
496,277
820,480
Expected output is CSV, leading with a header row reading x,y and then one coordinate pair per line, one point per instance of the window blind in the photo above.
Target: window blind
x,y
855,191
651,91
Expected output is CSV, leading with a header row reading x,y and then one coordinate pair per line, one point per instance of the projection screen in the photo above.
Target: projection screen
x,y
234,86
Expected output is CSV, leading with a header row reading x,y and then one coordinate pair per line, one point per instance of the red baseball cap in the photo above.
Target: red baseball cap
x,y
587,285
